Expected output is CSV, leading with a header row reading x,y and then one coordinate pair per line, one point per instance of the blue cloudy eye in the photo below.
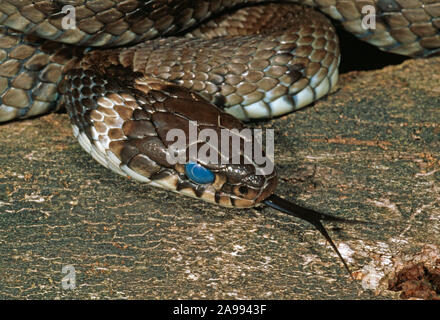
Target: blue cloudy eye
x,y
198,173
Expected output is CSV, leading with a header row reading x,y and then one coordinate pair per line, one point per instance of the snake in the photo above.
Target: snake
x,y
129,72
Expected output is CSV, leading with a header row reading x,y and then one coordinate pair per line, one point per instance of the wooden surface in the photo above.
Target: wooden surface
x,y
369,151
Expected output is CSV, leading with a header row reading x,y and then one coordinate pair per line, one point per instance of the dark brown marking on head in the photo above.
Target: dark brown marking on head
x,y
154,148
139,114
217,197
144,165
138,129
125,150
161,175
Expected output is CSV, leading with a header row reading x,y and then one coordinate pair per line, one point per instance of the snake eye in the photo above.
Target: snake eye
x,y
198,173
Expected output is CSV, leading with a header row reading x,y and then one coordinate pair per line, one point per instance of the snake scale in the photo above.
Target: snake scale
x,y
130,71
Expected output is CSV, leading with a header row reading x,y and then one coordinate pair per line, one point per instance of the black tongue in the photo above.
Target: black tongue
x,y
310,216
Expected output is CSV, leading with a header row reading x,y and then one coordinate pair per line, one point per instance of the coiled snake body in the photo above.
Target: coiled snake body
x,y
248,60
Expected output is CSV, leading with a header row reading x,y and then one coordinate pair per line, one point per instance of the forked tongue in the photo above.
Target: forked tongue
x,y
310,216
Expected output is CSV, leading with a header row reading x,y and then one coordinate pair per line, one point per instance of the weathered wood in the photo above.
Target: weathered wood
x,y
370,151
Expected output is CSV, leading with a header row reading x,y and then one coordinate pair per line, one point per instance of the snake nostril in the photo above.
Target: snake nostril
x,y
243,189
269,189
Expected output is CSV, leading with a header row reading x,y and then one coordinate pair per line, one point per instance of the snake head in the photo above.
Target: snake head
x,y
207,153
167,136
